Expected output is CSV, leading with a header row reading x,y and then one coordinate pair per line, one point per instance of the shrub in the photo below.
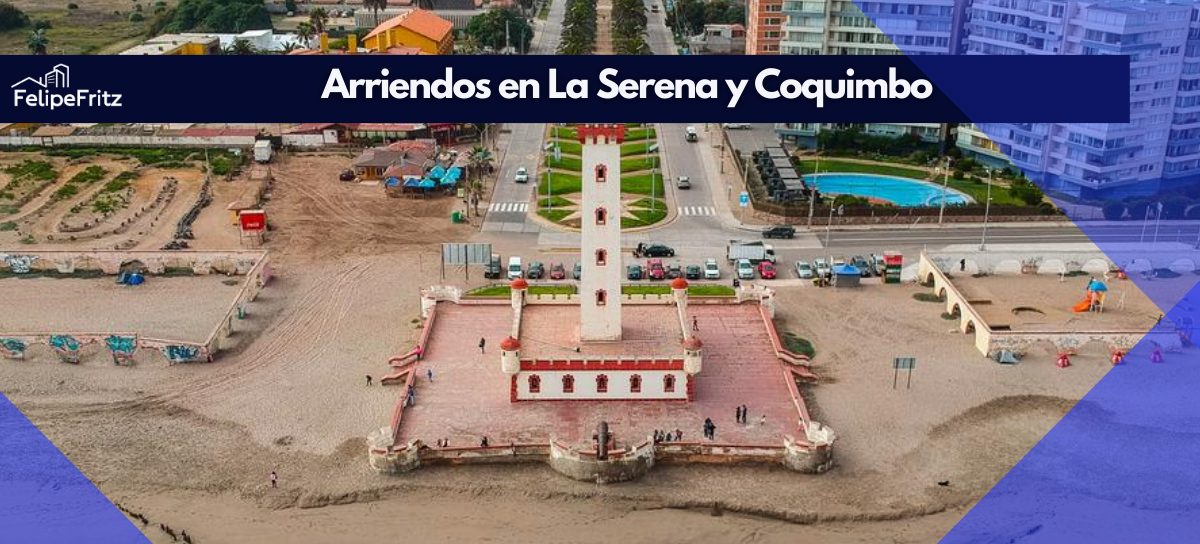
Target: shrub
x,y
89,175
72,6
42,24
115,185
65,192
796,344
1026,192
1174,207
1113,211
11,17
7,226
136,17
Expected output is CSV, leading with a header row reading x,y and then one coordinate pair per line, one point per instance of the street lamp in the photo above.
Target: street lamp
x,y
945,182
653,177
829,225
987,209
549,189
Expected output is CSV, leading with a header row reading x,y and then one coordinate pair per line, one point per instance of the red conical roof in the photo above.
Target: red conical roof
x,y
679,283
693,344
519,283
510,344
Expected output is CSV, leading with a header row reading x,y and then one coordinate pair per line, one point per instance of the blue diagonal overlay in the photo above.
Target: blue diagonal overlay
x,y
44,499
1124,464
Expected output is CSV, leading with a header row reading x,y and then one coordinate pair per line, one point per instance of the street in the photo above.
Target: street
x,y
658,36
548,34
511,201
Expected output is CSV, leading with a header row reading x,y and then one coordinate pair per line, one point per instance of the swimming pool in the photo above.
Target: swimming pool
x,y
900,191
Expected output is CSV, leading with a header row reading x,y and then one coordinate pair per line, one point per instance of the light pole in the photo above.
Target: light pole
x,y
1145,223
945,183
1157,220
549,189
653,177
829,225
987,209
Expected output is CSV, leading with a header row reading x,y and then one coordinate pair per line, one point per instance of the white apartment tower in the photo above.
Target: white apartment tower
x,y
600,320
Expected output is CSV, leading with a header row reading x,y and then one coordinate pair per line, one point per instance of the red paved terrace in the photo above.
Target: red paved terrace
x,y
469,395
552,332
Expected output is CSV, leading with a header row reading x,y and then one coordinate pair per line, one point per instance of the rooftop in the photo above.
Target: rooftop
x,y
423,22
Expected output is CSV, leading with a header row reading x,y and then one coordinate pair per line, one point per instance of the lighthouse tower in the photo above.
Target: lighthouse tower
x,y
601,240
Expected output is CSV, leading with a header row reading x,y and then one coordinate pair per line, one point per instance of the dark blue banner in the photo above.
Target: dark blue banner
x,y
1093,89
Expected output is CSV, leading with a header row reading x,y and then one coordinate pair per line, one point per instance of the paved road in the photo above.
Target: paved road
x,y
548,33
759,136
512,201
658,36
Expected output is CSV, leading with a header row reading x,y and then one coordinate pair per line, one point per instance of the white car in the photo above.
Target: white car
x,y
522,175
804,270
745,270
736,126
711,270
822,266
515,270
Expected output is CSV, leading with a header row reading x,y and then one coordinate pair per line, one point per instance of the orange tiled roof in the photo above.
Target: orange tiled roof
x,y
420,21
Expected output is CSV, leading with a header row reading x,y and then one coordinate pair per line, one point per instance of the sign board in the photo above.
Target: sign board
x,y
744,199
904,363
466,254
252,220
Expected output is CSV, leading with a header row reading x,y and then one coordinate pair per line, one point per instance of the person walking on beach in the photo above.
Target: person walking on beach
x,y
482,343
368,380
737,414
429,374
695,324
274,480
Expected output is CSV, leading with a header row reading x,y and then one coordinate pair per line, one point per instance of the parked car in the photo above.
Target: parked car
x,y
822,266
838,260
736,126
654,8
780,231
766,270
577,273
522,175
492,270
655,269
347,175
878,264
804,270
558,272
633,272
712,271
863,266
683,182
745,270
514,268
653,250
693,272
536,271
674,271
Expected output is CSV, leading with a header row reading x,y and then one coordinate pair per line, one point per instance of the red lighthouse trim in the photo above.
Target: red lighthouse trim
x,y
601,133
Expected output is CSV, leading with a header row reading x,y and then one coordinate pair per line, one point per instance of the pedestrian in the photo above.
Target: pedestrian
x,y
420,352
745,414
762,420
962,265
274,480
482,343
483,443
429,374
678,435
695,324
368,380
737,414
736,283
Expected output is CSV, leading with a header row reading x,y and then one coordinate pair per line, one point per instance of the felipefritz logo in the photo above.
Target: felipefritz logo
x,y
45,91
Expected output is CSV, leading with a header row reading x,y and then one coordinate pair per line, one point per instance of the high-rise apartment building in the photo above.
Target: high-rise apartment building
x,y
842,27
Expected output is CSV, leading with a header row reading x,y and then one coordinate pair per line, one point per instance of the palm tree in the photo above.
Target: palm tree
x,y
305,32
375,6
289,47
425,4
38,42
480,160
240,47
318,17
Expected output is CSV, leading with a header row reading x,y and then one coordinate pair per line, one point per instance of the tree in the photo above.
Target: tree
x,y
1174,206
489,29
224,16
38,43
375,6
318,18
289,6
1026,192
240,47
289,47
11,17
305,32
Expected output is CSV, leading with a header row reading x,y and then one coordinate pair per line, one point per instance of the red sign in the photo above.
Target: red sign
x,y
253,220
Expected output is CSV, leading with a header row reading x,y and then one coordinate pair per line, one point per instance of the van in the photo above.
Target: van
x,y
514,268
690,131
492,270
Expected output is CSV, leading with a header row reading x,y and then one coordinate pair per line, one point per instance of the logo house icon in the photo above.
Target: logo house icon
x,y
58,77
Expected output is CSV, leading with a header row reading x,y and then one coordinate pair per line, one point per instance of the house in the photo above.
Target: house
x,y
333,132
405,159
719,39
414,28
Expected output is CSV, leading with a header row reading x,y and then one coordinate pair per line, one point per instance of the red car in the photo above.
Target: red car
x,y
557,272
766,270
655,267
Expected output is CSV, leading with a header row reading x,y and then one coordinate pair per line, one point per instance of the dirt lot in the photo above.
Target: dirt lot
x,y
1033,303
97,27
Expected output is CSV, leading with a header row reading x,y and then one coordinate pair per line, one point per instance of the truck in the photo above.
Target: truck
x,y
754,251
262,151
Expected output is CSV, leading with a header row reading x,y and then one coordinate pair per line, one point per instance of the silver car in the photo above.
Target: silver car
x,y
712,271
745,270
822,266
804,270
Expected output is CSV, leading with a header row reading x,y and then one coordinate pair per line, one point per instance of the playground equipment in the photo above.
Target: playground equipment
x,y
1064,360
1095,297
1117,356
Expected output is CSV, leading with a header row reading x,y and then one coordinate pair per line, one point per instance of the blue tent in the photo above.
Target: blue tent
x,y
392,182
437,172
412,182
426,184
454,174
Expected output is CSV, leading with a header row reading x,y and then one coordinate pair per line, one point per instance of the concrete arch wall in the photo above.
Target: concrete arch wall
x,y
1098,267
1052,267
1182,266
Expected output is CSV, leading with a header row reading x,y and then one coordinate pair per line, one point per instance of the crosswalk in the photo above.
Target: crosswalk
x,y
510,207
696,210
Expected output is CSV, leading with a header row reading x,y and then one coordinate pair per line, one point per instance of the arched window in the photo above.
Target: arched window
x,y
535,384
568,384
602,384
601,173
601,216
601,297
635,384
601,257
669,383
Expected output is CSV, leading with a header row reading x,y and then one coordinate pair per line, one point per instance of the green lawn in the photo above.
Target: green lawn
x,y
643,218
557,201
504,291
636,148
544,11
694,290
645,203
562,184
639,134
978,191
568,147
565,162
640,184
639,164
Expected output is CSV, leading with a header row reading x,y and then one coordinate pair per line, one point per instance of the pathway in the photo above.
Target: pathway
x,y
604,27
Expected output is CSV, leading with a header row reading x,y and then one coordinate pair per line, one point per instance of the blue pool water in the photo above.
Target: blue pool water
x,y
900,191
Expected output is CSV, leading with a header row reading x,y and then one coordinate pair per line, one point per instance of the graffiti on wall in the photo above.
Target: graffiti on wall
x,y
14,348
19,264
67,347
181,354
122,347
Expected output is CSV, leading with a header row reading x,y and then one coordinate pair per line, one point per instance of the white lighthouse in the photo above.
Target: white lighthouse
x,y
601,239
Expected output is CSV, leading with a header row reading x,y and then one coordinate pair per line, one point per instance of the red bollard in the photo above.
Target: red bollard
x,y
1117,356
1064,360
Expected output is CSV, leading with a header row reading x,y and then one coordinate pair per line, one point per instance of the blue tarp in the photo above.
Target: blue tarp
x,y
392,182
437,172
846,270
426,184
412,182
